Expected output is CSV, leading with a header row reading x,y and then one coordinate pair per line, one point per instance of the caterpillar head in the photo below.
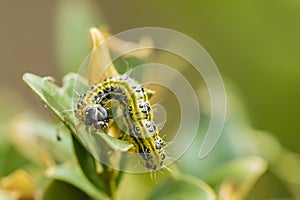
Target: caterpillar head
x,y
92,115
97,116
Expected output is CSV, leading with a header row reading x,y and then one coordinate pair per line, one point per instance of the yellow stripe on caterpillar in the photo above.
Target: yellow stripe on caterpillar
x,y
93,108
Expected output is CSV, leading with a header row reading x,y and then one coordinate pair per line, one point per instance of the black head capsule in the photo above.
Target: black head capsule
x,y
96,116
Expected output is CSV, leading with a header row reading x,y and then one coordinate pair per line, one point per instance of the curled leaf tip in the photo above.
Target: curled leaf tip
x,y
96,37
100,63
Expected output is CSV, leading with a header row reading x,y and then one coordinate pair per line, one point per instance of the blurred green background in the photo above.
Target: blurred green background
x,y
255,45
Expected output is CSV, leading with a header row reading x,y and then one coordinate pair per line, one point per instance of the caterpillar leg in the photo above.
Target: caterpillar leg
x,y
149,92
78,127
101,125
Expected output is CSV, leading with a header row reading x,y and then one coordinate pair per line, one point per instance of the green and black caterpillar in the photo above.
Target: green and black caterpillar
x,y
93,108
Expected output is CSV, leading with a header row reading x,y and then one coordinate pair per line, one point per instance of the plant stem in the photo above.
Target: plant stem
x,y
110,176
112,187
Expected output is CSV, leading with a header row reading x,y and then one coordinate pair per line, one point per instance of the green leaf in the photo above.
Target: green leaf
x,y
54,97
183,188
74,176
88,165
7,151
240,174
60,190
123,64
42,137
115,144
59,100
287,170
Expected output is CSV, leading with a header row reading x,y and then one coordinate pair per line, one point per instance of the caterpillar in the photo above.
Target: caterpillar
x,y
93,106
